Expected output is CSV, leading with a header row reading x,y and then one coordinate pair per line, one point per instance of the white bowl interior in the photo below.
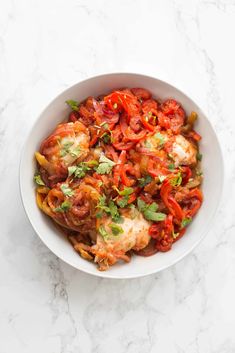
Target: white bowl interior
x,y
212,166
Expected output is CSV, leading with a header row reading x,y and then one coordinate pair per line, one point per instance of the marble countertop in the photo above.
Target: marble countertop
x,y
47,306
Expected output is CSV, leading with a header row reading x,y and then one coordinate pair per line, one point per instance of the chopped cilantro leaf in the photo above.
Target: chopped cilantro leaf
x,y
149,211
105,165
119,220
65,206
134,211
38,180
177,180
99,214
185,222
125,193
145,181
123,202
110,208
116,229
75,152
154,216
80,170
103,232
171,167
106,138
72,104
199,173
113,210
72,170
199,156
67,191
160,139
65,144
141,204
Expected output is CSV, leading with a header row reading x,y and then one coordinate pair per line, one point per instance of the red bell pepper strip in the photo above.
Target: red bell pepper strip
x,y
146,124
119,100
186,173
169,201
129,133
196,196
118,141
126,181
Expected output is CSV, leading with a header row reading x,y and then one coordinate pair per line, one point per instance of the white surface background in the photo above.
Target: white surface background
x,y
47,306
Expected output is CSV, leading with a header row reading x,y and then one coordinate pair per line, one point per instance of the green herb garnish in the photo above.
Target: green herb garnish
x,y
185,222
134,212
145,181
73,104
65,206
105,165
171,167
199,156
38,180
149,211
116,229
110,208
67,191
125,193
160,139
199,173
75,152
80,170
66,147
177,180
106,138
103,232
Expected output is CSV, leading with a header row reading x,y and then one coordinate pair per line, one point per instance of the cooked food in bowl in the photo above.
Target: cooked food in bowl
x,y
121,176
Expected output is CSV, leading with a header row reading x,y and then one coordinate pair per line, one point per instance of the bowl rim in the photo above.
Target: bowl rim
x,y
107,274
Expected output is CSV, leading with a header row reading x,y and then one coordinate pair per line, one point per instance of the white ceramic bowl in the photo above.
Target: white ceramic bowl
x,y
212,165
